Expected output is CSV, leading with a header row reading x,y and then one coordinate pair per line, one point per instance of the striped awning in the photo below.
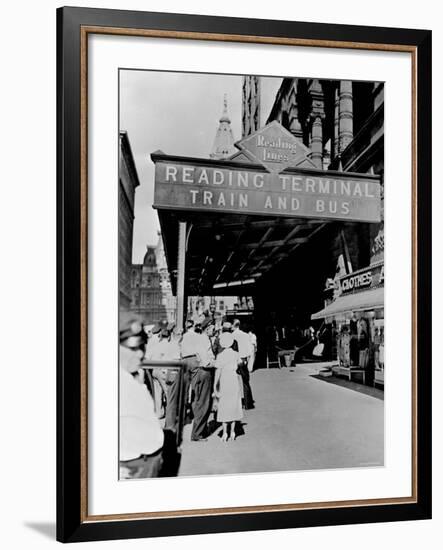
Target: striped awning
x,y
359,301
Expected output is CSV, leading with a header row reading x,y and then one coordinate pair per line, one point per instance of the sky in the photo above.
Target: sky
x,y
176,113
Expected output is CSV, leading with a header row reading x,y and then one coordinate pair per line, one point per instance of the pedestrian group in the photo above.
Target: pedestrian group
x,y
215,382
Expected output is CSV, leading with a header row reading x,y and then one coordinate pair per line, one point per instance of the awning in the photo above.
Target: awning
x,y
228,252
359,301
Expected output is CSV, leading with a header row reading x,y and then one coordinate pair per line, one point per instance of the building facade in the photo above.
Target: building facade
x,y
127,183
251,94
151,293
292,265
342,124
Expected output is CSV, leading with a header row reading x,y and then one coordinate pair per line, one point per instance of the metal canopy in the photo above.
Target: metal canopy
x,y
227,254
247,214
359,301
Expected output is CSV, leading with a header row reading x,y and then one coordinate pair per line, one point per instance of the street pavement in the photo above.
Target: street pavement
x,y
301,422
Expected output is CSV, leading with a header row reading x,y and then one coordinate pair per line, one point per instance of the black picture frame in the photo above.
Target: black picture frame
x,y
72,523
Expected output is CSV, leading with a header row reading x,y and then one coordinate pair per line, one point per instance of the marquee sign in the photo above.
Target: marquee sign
x,y
220,186
274,147
363,279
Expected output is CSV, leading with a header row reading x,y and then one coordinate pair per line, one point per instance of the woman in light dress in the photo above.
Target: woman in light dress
x,y
227,387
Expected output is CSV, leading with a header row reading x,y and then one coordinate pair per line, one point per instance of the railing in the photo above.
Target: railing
x,y
176,396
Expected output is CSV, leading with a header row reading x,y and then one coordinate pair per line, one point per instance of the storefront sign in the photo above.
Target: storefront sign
x,y
274,147
209,186
370,277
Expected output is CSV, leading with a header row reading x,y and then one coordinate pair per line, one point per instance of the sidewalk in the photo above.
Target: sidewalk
x,y
300,422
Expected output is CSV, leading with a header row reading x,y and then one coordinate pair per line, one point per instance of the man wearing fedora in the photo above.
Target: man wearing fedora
x,y
141,436
164,350
202,382
189,358
245,351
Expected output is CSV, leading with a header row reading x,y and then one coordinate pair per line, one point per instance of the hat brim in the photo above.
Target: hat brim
x,y
133,342
226,340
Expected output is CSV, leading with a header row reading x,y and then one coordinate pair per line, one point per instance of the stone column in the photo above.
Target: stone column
x,y
336,118
257,98
317,142
250,105
316,119
295,126
294,123
345,129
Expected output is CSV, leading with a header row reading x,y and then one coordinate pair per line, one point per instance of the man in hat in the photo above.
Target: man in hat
x,y
141,436
189,357
202,382
163,350
245,351
154,338
211,332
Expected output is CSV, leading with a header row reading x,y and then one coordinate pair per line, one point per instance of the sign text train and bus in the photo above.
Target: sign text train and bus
x,y
293,192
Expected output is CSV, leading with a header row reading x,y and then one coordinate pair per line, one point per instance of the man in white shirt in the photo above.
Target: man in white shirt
x,y
189,341
245,351
202,382
188,346
153,339
141,436
164,349
253,340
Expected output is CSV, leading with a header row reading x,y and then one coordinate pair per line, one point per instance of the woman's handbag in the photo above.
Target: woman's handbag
x,y
215,399
318,350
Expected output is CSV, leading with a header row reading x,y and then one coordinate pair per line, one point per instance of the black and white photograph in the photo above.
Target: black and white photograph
x,y
251,274
226,212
